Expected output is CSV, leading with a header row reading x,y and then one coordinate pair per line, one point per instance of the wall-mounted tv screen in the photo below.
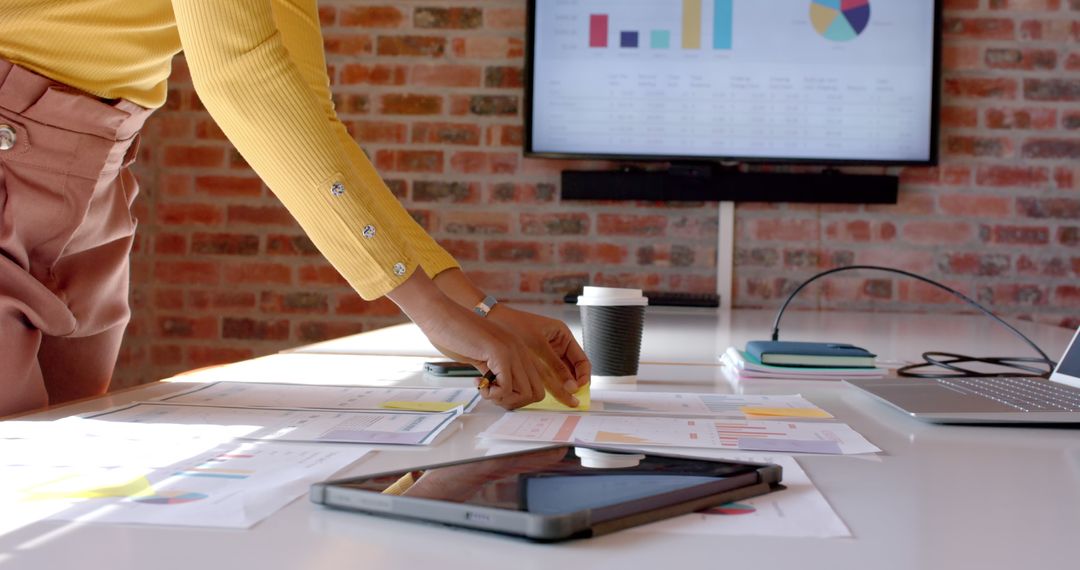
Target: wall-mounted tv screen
x,y
824,81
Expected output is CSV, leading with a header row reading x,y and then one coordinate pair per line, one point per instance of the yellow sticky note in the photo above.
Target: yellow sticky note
x,y
549,403
422,406
90,486
752,412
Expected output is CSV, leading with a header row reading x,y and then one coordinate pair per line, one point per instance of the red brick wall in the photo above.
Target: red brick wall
x,y
432,89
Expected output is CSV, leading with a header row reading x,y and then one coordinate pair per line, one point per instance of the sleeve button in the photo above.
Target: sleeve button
x,y
337,189
369,231
399,269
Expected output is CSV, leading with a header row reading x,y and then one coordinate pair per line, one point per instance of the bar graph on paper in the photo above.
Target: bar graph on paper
x,y
730,406
787,436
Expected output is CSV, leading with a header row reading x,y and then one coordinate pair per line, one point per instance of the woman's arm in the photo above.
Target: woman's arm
x,y
258,95
301,33
549,339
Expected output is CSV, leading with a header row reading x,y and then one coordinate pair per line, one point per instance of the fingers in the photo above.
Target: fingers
x,y
572,358
531,385
501,389
558,366
518,381
558,380
578,362
530,355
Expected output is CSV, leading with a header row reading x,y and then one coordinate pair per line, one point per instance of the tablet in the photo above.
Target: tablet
x,y
553,493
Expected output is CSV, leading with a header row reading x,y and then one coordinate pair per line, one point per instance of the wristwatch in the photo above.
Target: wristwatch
x,y
484,307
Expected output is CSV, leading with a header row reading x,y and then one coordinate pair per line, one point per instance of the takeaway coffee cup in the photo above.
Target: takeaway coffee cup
x,y
611,322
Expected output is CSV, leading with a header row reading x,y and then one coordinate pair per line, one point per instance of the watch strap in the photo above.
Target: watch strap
x,y
484,307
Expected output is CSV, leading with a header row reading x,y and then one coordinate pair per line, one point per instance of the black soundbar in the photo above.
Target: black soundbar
x,y
705,184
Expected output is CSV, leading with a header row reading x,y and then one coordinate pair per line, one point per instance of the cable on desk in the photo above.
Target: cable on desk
x,y
1028,366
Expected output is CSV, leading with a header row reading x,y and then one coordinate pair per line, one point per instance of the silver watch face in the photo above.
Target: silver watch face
x,y
484,307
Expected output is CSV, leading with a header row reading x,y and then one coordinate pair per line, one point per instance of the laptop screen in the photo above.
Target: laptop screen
x,y
1068,370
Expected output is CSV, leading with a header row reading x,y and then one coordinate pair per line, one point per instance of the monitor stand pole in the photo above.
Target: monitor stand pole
x,y
725,254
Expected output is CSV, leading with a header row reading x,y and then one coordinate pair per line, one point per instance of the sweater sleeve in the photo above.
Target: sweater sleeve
x,y
288,133
301,32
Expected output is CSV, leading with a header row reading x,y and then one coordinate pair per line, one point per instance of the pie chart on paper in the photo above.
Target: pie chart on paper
x,y
171,498
840,20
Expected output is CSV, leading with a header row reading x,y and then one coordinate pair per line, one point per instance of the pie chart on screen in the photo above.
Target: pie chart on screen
x,y
840,20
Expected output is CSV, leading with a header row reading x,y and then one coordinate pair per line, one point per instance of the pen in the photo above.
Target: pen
x,y
487,381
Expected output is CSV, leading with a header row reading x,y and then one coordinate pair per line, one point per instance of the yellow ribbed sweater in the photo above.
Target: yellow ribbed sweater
x,y
259,68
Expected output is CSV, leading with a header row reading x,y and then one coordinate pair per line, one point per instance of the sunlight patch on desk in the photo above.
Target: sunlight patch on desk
x,y
230,485
49,467
301,368
45,538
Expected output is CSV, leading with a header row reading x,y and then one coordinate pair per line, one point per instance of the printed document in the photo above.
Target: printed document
x,y
325,397
748,435
279,424
799,510
735,406
83,470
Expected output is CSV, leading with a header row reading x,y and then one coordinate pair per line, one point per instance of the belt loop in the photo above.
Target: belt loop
x,y
132,151
5,69
22,88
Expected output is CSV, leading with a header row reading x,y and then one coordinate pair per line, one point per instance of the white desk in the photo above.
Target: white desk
x,y
937,497
697,336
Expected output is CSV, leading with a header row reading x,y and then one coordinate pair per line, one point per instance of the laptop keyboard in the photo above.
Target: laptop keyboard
x,y
1023,394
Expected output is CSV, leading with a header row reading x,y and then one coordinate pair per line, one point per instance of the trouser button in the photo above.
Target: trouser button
x,y
7,137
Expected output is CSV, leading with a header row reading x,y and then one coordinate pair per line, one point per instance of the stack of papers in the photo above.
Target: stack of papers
x,y
697,432
739,365
797,510
219,455
323,397
189,475
293,424
731,406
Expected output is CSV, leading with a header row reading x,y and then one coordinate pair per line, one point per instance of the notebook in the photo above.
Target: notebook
x,y
987,400
739,365
813,354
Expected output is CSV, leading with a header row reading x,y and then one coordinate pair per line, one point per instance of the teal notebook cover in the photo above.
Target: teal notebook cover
x,y
753,360
791,353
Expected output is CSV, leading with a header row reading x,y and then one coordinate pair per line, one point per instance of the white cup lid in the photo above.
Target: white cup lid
x,y
607,460
611,297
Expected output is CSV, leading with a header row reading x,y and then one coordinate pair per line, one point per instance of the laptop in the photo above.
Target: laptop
x,y
987,400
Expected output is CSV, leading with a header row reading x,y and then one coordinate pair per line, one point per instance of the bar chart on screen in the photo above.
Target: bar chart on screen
x,y
695,24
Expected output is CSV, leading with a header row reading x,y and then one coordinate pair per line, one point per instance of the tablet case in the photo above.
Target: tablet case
x,y
546,528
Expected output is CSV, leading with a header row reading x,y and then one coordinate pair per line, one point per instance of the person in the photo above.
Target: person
x,y
78,79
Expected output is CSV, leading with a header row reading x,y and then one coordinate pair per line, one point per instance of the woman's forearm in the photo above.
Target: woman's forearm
x,y
454,284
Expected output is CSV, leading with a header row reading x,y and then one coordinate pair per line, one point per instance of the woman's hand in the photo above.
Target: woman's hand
x,y
464,336
564,365
552,341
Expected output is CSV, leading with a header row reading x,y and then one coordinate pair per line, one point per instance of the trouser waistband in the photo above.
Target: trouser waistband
x,y
50,102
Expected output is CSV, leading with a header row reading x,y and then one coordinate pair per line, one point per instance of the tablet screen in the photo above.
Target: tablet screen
x,y
550,481
559,494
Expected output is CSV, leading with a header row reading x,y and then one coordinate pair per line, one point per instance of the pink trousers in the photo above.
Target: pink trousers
x,y
65,235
